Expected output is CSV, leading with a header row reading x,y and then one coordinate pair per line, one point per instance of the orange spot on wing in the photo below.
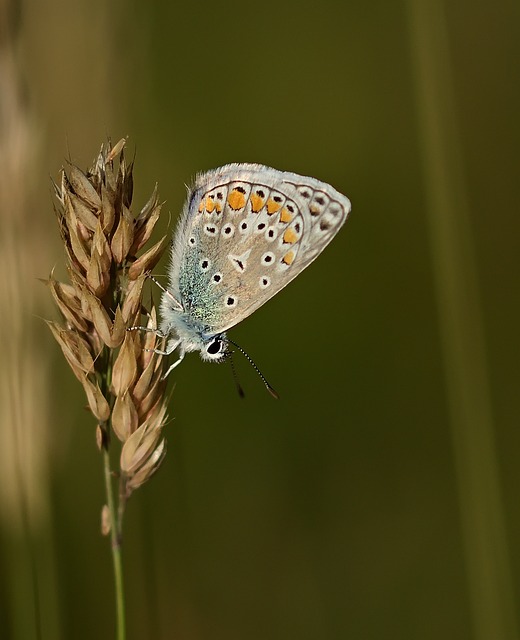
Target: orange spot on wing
x,y
289,257
285,216
201,205
210,204
256,203
236,200
290,236
272,206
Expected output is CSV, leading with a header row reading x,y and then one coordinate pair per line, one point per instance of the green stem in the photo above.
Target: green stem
x,y
115,536
116,513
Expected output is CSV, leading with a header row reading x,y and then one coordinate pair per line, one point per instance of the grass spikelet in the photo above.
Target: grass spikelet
x,y
120,373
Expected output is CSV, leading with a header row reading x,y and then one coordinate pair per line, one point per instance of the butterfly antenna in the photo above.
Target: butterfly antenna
x,y
235,377
252,363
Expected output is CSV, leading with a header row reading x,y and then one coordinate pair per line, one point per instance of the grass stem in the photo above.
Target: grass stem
x,y
115,536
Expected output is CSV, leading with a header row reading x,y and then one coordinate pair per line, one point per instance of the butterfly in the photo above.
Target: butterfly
x,y
246,231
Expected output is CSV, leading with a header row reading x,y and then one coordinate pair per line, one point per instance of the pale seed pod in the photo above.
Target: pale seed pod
x,y
118,329
123,237
84,214
148,260
96,400
124,417
148,469
83,188
124,371
107,216
132,303
106,521
74,348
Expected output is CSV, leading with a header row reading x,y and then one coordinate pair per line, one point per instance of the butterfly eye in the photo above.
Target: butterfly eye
x,y
216,349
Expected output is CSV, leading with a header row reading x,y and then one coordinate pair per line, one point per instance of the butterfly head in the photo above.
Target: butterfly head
x,y
188,335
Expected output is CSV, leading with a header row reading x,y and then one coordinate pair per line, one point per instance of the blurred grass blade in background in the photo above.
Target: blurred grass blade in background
x,y
26,538
461,328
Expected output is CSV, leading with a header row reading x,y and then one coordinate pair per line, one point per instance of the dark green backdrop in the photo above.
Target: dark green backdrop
x,y
344,510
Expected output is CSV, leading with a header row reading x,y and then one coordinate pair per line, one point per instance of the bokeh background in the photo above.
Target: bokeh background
x,y
378,498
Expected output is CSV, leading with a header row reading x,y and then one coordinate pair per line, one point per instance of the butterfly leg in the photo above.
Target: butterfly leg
x,y
171,347
157,332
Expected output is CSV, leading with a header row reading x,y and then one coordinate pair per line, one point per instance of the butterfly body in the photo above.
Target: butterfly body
x,y
246,231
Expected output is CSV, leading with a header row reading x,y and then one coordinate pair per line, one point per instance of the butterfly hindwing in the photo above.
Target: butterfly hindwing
x,y
246,232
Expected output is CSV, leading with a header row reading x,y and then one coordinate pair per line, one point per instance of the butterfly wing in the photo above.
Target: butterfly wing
x,y
246,232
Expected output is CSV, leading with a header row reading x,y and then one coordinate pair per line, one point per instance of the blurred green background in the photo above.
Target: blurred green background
x,y
379,497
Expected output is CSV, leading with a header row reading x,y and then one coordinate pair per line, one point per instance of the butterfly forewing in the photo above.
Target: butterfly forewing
x,y
247,232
